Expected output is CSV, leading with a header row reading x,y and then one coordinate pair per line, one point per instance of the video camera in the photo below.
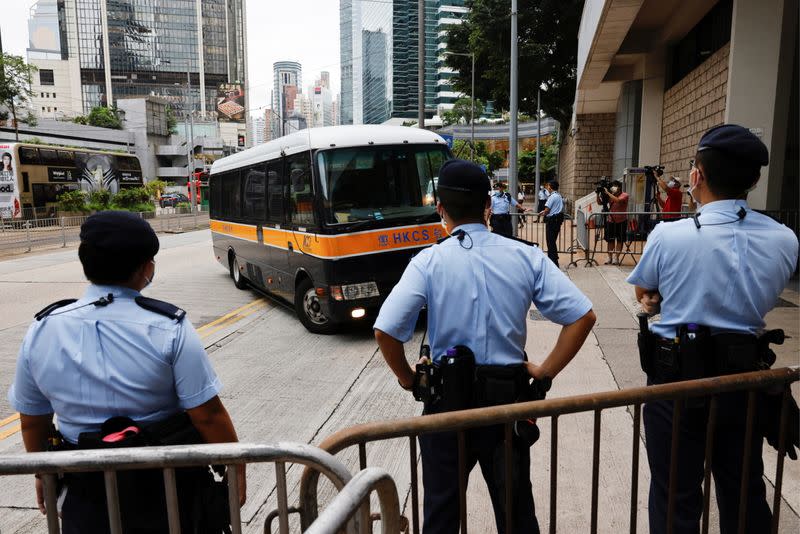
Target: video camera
x,y
654,170
603,184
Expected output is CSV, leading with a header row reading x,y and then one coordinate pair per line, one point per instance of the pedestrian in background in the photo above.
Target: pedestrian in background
x,y
115,366
672,204
459,281
553,214
713,278
615,231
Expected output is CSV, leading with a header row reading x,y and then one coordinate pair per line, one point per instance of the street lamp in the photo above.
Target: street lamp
x,y
472,97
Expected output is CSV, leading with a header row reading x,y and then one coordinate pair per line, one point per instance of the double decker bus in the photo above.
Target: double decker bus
x,y
32,176
327,218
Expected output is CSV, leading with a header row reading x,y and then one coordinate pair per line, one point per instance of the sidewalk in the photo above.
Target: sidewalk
x,y
608,361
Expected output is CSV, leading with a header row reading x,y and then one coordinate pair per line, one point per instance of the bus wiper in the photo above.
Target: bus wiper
x,y
430,217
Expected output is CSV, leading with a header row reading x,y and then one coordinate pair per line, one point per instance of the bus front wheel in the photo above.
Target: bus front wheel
x,y
309,309
236,272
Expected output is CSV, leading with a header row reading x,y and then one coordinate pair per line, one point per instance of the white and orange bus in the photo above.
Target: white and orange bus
x,y
327,218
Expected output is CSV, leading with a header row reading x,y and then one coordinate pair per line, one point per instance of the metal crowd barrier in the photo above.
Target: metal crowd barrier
x,y
531,228
459,422
20,235
638,225
340,513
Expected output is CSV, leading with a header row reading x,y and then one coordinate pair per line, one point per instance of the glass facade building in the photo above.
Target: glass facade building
x,y
366,61
131,48
405,22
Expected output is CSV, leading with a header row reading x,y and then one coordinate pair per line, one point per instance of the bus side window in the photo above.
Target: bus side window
x,y
232,196
301,195
216,196
254,194
275,191
26,183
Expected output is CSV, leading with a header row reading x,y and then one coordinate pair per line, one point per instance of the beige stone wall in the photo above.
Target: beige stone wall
x,y
691,107
587,155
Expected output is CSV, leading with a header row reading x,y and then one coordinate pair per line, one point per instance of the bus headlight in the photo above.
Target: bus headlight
x,y
355,291
358,313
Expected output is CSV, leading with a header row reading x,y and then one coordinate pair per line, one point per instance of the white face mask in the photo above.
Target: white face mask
x,y
691,190
673,184
150,280
615,189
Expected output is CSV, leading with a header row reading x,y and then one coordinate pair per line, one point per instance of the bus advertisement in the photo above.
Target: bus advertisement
x,y
9,191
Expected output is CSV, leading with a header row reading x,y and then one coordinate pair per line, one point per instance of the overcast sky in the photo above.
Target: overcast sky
x,y
300,30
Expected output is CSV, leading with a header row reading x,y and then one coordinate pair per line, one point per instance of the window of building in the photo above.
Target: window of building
x,y
41,95
46,77
54,95
709,35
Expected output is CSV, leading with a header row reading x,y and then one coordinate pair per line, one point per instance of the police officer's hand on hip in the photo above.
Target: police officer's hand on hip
x,y
478,288
116,357
713,278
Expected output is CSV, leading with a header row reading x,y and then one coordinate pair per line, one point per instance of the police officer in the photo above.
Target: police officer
x,y
713,278
553,213
502,202
114,353
478,288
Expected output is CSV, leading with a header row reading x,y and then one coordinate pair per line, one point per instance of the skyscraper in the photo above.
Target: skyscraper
x,y
439,94
366,37
287,81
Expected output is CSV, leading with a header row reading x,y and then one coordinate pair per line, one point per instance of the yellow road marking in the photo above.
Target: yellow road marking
x,y
11,431
215,325
9,419
229,321
231,314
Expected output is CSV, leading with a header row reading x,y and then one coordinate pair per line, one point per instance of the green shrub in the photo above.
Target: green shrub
x,y
155,188
183,205
72,201
129,198
101,199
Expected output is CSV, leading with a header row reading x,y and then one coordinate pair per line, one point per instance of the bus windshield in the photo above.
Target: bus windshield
x,y
379,182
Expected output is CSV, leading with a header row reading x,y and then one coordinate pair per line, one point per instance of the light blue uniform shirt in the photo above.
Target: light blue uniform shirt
x,y
501,203
543,194
726,277
87,364
555,203
480,296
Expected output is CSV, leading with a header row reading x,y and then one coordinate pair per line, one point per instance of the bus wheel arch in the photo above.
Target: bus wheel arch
x,y
308,307
235,270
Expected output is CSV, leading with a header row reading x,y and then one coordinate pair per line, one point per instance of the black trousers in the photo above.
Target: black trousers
x,y
552,227
501,224
484,446
726,466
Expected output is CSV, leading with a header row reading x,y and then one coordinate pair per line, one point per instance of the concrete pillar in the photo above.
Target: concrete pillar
x,y
759,78
652,108
106,53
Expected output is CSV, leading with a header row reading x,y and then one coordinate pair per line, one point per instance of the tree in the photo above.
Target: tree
x,y
548,49
15,84
102,117
491,160
548,157
462,111
172,122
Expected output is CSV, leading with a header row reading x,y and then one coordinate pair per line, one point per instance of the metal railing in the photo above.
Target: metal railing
x,y
461,421
20,235
340,513
531,228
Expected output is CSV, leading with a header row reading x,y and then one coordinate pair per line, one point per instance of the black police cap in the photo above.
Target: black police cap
x,y
120,233
462,175
736,141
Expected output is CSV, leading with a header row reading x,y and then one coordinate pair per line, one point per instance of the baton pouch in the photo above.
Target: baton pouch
x,y
457,373
645,340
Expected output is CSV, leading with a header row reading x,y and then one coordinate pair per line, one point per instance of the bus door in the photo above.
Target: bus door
x,y
254,212
274,230
301,212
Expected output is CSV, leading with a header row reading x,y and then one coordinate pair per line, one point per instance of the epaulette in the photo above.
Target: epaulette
x,y
524,241
443,239
52,307
160,307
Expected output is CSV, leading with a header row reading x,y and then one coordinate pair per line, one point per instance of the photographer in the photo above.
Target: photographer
x,y
616,201
671,206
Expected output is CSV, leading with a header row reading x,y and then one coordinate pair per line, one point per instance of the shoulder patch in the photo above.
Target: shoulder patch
x,y
523,241
160,307
52,307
